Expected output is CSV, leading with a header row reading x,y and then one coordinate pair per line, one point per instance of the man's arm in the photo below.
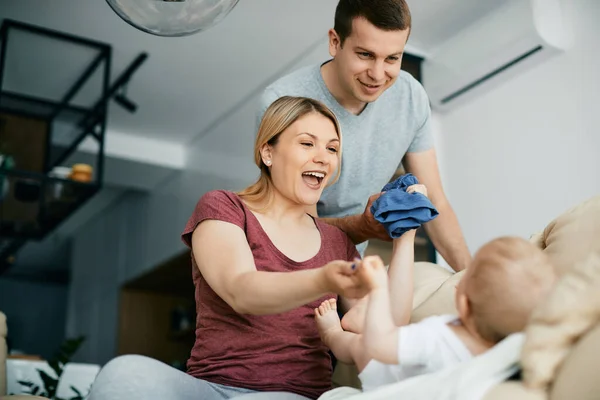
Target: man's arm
x,y
359,227
444,230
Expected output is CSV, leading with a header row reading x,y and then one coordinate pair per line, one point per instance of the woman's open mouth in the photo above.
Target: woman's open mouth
x,y
313,179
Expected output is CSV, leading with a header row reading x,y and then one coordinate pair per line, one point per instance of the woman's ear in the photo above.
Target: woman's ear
x,y
266,154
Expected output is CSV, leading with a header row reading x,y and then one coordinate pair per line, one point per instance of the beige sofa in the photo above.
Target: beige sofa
x,y
569,240
3,396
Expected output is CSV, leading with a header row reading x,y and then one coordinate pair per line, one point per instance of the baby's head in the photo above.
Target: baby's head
x,y
506,280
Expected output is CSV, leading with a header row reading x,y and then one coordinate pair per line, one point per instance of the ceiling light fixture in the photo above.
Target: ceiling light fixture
x,y
172,17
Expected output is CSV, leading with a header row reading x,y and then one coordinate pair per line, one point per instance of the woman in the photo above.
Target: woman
x,y
261,265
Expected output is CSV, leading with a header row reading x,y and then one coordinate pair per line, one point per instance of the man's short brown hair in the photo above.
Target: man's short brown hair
x,y
388,15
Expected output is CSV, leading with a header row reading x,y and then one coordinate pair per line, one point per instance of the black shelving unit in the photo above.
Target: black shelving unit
x,y
33,201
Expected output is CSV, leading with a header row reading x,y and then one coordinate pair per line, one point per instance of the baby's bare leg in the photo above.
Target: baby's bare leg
x,y
354,319
346,346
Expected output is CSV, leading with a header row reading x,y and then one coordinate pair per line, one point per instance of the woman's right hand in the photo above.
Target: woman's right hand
x,y
340,277
373,273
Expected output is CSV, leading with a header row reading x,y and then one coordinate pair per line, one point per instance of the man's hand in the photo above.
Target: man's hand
x,y
371,228
359,227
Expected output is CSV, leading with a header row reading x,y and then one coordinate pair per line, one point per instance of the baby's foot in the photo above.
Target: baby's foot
x,y
354,319
328,321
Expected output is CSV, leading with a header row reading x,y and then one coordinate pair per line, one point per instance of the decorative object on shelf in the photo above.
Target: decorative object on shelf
x,y
57,188
82,173
172,17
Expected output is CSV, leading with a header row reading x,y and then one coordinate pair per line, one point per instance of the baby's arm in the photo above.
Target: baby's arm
x,y
401,269
380,335
401,278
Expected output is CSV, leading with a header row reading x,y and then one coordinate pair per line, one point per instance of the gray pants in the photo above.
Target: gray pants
x,y
134,377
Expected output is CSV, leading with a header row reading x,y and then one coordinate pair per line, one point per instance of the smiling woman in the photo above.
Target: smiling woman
x,y
261,265
298,141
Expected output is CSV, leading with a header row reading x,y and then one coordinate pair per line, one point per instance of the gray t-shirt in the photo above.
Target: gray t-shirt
x,y
374,142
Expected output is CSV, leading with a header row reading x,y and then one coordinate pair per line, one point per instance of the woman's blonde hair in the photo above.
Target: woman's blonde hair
x,y
282,113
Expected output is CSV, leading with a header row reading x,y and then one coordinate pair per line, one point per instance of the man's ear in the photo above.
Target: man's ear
x,y
334,42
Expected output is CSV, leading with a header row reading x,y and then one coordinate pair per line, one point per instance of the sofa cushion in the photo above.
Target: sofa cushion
x,y
428,278
441,301
572,236
514,390
571,309
577,378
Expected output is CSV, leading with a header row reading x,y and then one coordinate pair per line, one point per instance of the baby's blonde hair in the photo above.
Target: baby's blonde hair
x,y
509,278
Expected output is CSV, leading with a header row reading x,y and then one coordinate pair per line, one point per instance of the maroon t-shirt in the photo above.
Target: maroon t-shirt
x,y
280,352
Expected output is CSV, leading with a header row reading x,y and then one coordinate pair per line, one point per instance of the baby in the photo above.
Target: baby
x,y
507,278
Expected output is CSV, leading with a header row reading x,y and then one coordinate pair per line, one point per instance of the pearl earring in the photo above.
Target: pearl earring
x,y
268,162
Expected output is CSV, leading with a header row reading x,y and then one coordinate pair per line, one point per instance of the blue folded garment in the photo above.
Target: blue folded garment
x,y
399,211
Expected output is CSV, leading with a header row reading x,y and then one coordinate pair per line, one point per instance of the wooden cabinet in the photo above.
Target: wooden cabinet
x,y
151,310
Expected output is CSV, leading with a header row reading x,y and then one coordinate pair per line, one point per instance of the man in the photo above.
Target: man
x,y
385,118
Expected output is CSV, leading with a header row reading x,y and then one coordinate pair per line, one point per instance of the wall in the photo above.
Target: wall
x,y
35,315
518,156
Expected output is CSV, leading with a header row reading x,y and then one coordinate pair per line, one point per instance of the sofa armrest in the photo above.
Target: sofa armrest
x,y
22,397
577,377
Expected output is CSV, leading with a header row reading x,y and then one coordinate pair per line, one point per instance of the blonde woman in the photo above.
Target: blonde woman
x,y
261,265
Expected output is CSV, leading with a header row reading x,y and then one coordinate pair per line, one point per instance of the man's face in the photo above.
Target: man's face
x,y
369,60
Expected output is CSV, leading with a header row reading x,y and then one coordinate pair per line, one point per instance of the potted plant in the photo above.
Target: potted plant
x,y
50,383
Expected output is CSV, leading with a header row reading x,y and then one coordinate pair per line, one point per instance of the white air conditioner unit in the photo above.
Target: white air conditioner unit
x,y
517,35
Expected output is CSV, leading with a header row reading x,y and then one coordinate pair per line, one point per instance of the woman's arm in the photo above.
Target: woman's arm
x,y
225,260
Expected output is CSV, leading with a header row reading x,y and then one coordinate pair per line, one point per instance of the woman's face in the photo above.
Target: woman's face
x,y
304,158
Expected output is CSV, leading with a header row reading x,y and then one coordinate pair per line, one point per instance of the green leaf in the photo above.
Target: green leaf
x,y
63,356
50,383
56,367
79,395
